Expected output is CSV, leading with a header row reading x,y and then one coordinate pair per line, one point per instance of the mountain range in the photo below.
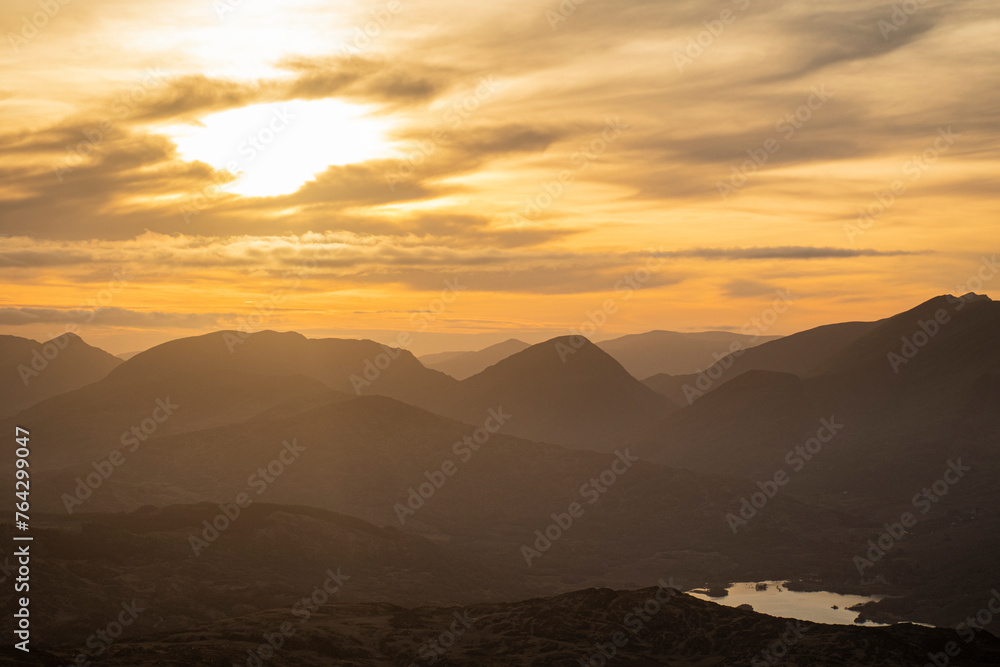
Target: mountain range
x,y
551,470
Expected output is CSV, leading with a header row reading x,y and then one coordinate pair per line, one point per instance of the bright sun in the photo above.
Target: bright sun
x,y
275,148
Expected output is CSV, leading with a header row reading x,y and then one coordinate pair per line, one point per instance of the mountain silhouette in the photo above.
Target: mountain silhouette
x,y
31,371
565,390
485,468
654,352
358,367
461,365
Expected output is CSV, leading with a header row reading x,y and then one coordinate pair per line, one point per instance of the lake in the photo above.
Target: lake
x,y
776,600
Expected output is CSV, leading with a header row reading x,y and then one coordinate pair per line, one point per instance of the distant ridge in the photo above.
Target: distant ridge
x,y
675,353
798,354
352,366
461,365
31,371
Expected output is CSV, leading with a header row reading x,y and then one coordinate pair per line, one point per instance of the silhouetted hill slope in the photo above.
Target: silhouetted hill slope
x,y
680,389
565,390
742,428
568,629
907,420
946,343
798,354
461,365
352,366
265,557
588,401
13,348
126,411
673,352
901,434
392,464
31,371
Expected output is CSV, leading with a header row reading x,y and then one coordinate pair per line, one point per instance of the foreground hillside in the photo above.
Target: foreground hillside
x,y
654,626
395,465
192,564
888,419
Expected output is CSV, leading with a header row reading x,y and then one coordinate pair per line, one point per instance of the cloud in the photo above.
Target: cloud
x,y
486,107
112,317
823,37
787,252
359,78
741,289
295,262
368,79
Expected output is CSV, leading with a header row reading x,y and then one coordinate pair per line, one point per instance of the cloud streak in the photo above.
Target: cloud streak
x,y
90,180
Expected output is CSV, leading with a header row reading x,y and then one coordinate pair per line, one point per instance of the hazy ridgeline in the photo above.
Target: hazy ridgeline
x,y
271,499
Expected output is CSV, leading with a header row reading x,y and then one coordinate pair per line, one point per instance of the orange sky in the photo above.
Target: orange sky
x,y
474,173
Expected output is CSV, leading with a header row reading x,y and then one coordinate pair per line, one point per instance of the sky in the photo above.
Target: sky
x,y
471,172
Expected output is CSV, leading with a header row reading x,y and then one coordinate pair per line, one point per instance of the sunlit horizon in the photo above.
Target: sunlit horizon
x,y
534,154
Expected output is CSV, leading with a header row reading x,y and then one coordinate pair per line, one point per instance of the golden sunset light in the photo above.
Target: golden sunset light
x,y
280,146
536,152
364,333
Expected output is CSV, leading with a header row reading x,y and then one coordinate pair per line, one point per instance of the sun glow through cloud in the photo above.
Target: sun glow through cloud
x,y
273,149
426,141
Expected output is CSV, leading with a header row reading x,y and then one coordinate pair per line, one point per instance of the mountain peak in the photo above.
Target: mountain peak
x,y
972,296
69,338
561,350
33,371
565,390
949,301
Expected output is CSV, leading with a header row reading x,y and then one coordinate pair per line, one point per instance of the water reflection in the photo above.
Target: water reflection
x,y
771,597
